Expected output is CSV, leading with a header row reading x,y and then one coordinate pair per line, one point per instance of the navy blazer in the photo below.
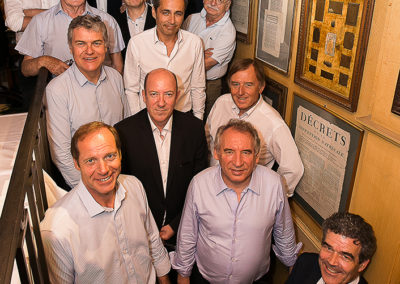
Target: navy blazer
x,y
306,270
188,156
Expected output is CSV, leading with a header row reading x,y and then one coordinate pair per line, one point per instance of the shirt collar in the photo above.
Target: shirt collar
x,y
250,111
221,22
221,186
88,9
180,36
82,80
92,206
167,126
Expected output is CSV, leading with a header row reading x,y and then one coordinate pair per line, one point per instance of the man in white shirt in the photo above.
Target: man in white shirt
x,y
44,44
246,82
20,12
167,46
102,231
215,28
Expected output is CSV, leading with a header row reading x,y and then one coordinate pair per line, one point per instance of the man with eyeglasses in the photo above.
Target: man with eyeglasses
x,y
214,26
245,102
87,91
348,244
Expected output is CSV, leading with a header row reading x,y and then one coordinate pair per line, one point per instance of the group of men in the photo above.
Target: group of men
x,y
118,228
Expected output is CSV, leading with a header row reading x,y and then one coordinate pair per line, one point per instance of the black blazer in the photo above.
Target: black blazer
x,y
188,156
306,270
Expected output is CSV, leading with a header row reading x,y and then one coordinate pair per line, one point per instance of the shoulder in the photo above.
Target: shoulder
x,y
61,81
206,175
103,15
188,36
187,120
146,35
223,101
112,72
267,175
308,257
133,186
131,122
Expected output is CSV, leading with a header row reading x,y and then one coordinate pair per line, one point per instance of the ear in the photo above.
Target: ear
x,y
228,5
76,164
258,157
215,154
363,265
153,12
144,95
261,89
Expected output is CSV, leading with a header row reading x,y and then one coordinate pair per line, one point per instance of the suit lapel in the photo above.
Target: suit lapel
x,y
176,143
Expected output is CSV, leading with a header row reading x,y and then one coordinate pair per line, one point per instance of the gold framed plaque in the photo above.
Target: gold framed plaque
x,y
333,41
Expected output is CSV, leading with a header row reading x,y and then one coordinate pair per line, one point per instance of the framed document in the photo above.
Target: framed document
x,y
274,33
241,11
275,94
333,41
329,148
396,98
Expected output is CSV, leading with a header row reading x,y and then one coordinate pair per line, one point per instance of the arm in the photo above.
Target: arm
x,y
163,280
18,18
59,134
30,66
132,78
208,60
183,258
59,261
117,62
198,83
183,280
29,13
285,152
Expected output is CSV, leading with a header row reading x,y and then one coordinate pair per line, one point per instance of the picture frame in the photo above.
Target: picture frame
x,y
329,147
332,46
275,94
274,34
396,98
241,11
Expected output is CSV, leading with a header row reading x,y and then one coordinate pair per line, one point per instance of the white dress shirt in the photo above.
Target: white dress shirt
x,y
145,52
87,243
137,26
220,36
276,140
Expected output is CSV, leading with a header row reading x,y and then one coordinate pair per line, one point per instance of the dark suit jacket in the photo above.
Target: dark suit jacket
x,y
113,8
306,270
188,156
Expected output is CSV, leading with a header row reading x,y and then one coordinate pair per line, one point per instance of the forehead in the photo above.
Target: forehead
x,y
232,138
161,81
173,5
248,75
97,143
84,34
342,244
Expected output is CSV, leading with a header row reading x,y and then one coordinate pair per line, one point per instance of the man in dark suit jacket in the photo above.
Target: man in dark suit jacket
x,y
348,244
135,9
164,149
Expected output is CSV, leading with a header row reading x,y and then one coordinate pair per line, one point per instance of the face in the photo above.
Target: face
x,y
169,17
99,164
160,96
134,3
216,8
339,259
237,158
245,89
89,50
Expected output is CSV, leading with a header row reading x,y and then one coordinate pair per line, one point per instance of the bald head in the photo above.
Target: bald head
x,y
152,75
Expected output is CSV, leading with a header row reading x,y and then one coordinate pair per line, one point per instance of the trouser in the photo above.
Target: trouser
x,y
213,91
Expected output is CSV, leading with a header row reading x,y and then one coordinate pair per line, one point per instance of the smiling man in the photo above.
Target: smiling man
x,y
102,231
167,46
164,148
348,244
245,102
231,212
87,91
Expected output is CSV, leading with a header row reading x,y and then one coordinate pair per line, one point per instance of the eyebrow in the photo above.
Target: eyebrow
x,y
341,252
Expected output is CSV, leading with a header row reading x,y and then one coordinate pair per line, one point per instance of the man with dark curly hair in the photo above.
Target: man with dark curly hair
x,y
348,244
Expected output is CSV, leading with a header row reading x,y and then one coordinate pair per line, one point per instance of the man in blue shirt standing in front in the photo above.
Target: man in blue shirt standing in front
x,y
231,212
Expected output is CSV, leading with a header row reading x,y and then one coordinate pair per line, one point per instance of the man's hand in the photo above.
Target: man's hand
x,y
166,232
209,62
183,280
208,52
30,66
163,279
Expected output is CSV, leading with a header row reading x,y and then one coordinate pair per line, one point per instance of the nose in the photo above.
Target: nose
x,y
213,2
103,167
237,159
172,19
241,89
333,258
89,49
161,100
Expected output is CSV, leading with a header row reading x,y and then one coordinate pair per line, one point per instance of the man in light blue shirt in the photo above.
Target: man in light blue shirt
x,y
231,213
103,230
44,42
86,92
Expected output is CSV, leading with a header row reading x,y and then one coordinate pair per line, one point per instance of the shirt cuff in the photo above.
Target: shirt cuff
x,y
183,271
163,267
285,259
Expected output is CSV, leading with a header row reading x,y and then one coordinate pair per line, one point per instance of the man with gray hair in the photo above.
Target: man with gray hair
x,y
348,244
87,91
231,212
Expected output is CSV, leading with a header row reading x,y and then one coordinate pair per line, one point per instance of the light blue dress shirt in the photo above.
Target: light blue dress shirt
x,y
86,243
231,240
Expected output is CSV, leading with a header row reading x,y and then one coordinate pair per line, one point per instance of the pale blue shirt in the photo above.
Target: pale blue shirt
x,y
220,36
231,240
71,101
47,32
87,243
